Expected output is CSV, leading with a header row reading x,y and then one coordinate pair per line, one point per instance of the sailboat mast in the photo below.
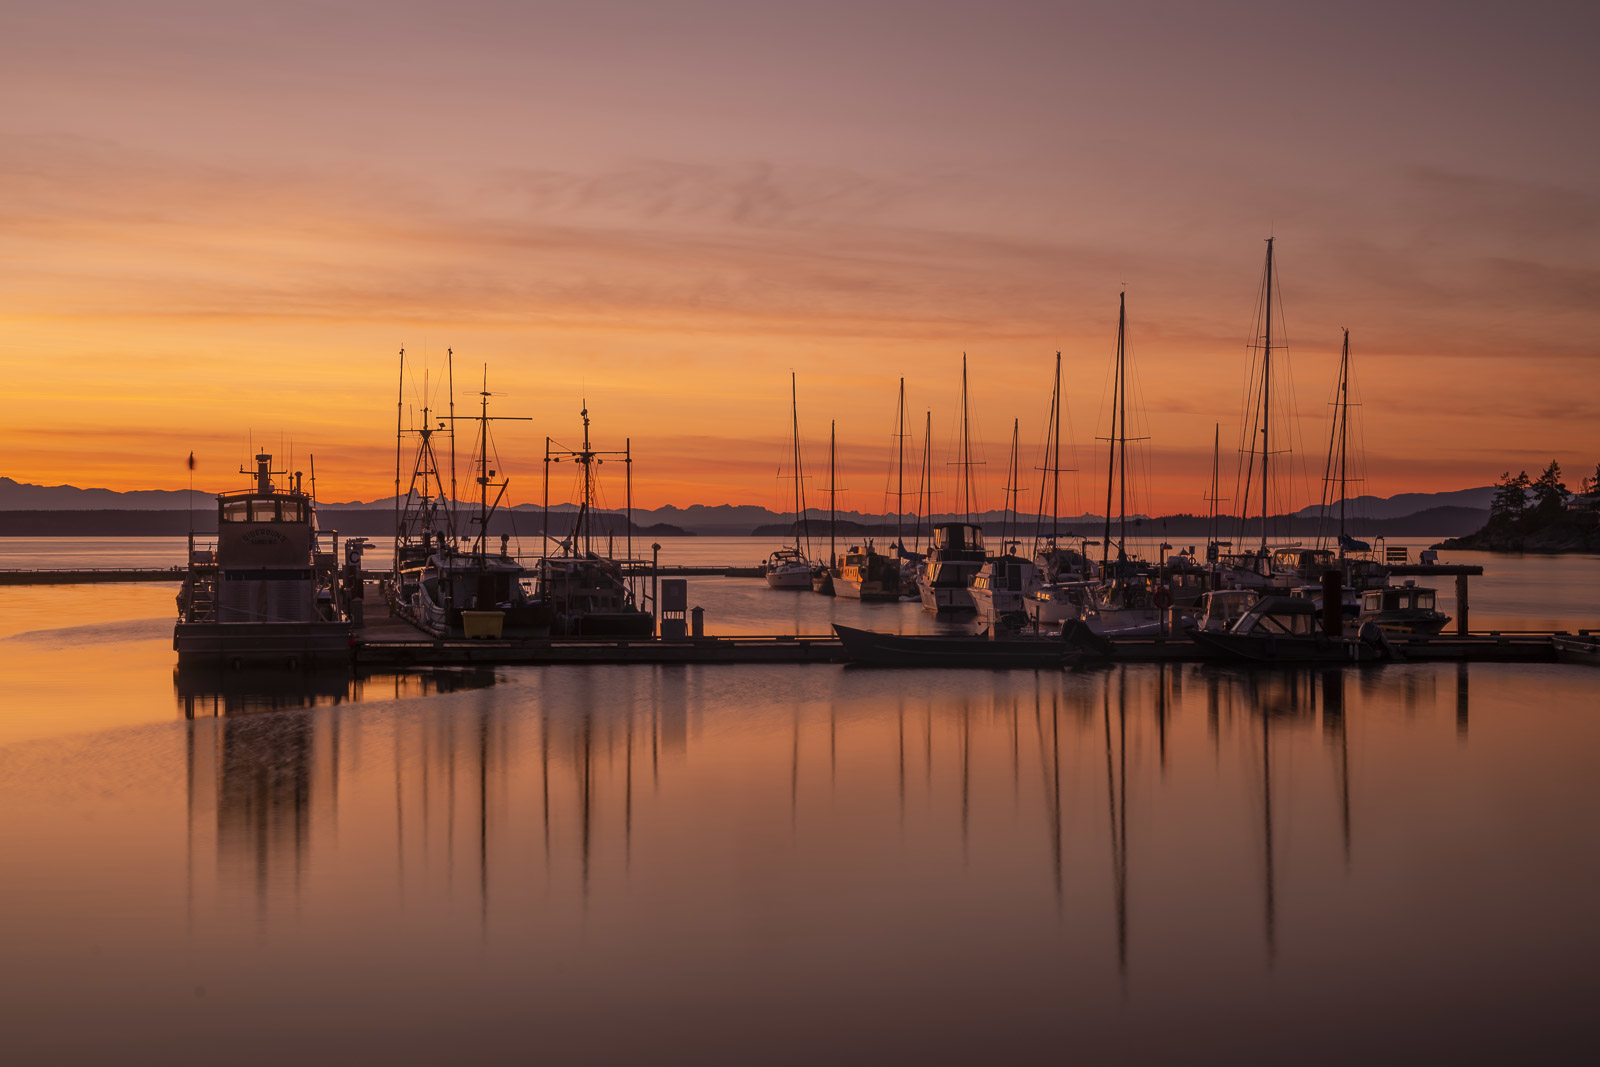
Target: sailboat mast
x,y
794,412
966,444
1216,454
450,373
900,468
1012,477
833,496
1111,451
399,429
1266,402
483,468
1122,442
1344,435
1055,461
924,493
588,481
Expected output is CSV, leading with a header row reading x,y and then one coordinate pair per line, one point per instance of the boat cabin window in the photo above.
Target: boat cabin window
x,y
1425,601
236,511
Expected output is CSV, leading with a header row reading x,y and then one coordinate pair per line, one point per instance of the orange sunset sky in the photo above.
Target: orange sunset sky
x,y
219,220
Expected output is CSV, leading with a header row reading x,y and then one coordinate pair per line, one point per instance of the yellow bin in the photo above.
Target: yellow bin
x,y
482,623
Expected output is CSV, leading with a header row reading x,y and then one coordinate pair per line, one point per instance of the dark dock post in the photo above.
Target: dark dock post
x,y
1461,603
655,585
1332,602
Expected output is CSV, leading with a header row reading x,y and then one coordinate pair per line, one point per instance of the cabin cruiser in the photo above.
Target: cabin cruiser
x,y
1403,609
1001,586
787,568
1056,603
267,590
1219,609
954,558
1280,629
1059,563
866,574
1129,604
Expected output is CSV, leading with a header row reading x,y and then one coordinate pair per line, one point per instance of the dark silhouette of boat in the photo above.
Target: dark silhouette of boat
x,y
873,649
1280,629
1581,649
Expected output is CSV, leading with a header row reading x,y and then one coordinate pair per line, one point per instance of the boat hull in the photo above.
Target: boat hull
x,y
947,599
1312,648
871,591
1577,650
291,645
789,578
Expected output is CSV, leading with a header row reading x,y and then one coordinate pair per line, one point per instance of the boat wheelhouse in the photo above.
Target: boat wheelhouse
x,y
1403,609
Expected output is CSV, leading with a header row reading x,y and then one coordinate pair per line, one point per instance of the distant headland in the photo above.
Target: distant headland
x,y
28,510
1538,515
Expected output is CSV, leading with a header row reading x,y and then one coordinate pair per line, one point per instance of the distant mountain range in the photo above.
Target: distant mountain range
x,y
1462,509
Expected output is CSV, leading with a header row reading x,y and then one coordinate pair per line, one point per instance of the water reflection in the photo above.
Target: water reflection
x,y
750,824
566,752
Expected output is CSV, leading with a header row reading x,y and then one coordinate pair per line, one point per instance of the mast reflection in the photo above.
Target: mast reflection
x,y
541,775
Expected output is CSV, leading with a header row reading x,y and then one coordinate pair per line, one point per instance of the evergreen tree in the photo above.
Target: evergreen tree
x,y
1549,494
1510,497
1591,484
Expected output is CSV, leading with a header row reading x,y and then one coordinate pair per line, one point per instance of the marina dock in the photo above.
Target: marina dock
x,y
91,575
390,642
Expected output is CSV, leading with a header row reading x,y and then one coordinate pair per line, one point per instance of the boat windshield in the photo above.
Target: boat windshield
x,y
1276,621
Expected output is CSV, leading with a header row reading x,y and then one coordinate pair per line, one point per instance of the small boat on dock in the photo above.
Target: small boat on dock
x,y
872,649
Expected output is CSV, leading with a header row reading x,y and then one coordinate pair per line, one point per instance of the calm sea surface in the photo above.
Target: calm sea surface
x,y
789,864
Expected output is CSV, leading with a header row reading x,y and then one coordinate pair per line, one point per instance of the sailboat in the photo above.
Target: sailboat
x,y
1125,600
588,591
1263,568
788,568
1000,588
862,572
1059,590
955,550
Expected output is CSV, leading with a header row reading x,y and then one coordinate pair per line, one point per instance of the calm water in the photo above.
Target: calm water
x,y
792,864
